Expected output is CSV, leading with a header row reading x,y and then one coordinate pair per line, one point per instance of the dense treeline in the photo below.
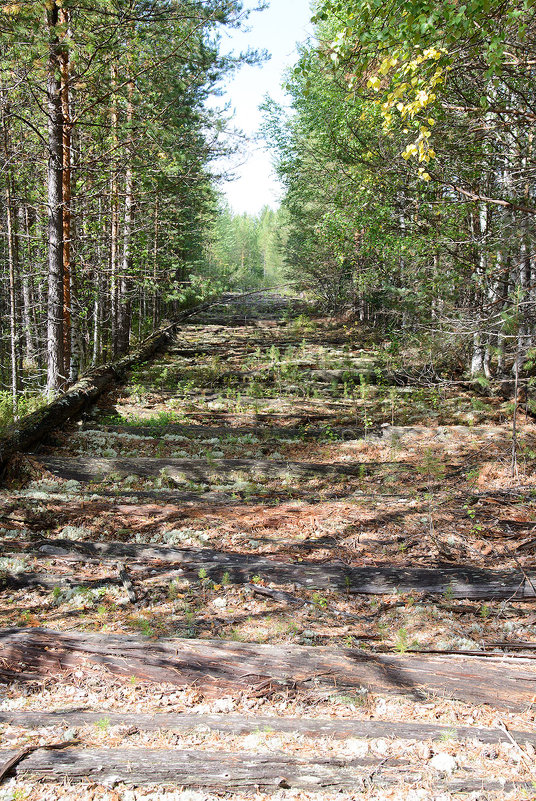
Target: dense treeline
x,y
106,144
246,250
409,163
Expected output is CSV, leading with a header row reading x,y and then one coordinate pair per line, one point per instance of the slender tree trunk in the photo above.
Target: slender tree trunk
x,y
155,264
114,218
97,304
29,345
55,209
479,365
66,191
124,285
12,258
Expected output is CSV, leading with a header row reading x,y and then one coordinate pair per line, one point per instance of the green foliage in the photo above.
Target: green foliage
x,y
144,138
26,403
403,643
144,626
245,250
431,465
485,611
319,600
395,201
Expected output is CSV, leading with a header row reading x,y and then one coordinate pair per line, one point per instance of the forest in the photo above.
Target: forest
x,y
406,157
408,162
112,217
267,473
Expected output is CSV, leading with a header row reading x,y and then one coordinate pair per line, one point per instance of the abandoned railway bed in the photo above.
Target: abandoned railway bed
x,y
263,566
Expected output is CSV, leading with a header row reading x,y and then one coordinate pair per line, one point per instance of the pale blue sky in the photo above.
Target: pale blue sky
x,y
277,29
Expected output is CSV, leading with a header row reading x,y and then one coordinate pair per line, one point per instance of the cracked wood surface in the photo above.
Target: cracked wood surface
x,y
242,724
234,771
455,581
220,667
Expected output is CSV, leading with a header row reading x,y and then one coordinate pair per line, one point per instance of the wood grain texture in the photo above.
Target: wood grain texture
x,y
235,771
340,729
220,667
455,581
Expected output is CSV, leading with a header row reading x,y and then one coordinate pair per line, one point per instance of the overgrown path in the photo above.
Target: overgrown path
x,y
276,561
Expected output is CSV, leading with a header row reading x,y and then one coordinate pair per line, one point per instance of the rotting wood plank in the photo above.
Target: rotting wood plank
x,y
188,768
233,348
457,581
238,770
338,729
86,468
264,432
220,667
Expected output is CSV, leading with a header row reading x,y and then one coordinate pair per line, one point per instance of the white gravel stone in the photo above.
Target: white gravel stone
x,y
443,763
356,748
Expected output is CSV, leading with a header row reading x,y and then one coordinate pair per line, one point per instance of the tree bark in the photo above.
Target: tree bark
x,y
124,304
114,219
27,320
247,724
155,264
12,257
66,191
55,208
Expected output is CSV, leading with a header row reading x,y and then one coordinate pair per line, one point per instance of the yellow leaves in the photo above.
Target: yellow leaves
x,y
421,149
433,52
387,64
423,175
410,150
374,83
406,83
387,122
399,91
408,109
437,78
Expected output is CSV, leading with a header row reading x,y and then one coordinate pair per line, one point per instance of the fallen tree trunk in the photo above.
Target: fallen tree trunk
x,y
11,763
219,667
242,724
456,582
